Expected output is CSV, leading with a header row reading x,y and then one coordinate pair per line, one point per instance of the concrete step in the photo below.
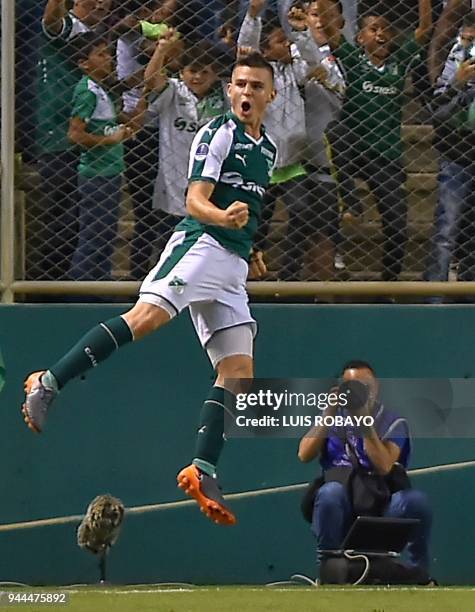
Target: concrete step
x,y
419,153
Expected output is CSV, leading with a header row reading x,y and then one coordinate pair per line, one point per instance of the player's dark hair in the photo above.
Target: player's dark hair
x,y
469,20
255,60
84,44
357,364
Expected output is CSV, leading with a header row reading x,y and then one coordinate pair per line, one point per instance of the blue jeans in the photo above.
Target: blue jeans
x,y
453,223
332,517
99,200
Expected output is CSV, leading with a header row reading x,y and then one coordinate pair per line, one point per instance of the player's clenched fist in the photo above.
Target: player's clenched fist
x,y
236,215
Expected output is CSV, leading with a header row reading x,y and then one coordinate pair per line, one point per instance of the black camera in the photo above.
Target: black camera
x,y
357,394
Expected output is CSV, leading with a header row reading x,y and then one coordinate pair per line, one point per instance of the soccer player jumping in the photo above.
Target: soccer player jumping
x,y
203,267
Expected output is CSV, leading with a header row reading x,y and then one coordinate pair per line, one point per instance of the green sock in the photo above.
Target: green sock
x,y
94,347
210,437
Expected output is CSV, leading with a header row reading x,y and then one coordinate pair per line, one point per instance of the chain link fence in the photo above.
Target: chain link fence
x,y
375,174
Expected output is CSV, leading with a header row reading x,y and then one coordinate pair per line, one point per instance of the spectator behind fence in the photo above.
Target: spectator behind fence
x,y
95,129
453,109
139,28
28,16
317,214
183,105
382,455
57,157
445,31
366,143
285,123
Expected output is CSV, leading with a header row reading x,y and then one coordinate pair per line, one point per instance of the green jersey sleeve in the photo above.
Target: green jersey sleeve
x,y
210,148
84,102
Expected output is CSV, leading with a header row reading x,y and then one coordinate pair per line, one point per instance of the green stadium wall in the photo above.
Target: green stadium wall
x,y
128,427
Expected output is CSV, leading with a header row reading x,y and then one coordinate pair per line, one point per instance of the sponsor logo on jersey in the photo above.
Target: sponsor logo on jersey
x,y
241,146
241,158
369,87
177,284
201,151
236,180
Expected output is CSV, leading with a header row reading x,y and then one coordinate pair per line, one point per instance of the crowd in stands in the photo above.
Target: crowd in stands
x,y
121,88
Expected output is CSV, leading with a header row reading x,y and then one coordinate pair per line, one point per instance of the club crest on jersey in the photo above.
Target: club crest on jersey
x,y
201,151
177,284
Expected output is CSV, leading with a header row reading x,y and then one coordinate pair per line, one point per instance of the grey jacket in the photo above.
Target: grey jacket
x,y
285,118
323,101
455,139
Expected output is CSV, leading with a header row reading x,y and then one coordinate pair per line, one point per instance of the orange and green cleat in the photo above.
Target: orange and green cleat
x,y
205,490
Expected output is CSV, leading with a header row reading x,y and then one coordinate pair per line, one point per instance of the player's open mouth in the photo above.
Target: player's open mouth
x,y
245,107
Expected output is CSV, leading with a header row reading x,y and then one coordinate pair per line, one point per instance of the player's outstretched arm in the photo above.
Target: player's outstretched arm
x,y
200,207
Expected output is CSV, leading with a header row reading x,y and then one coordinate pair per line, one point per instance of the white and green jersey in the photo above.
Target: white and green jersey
x,y
240,167
181,114
93,105
57,78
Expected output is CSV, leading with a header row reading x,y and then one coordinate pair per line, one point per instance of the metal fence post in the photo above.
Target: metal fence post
x,y
7,233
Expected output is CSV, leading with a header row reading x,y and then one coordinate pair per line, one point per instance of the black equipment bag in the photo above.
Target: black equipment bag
x,y
382,571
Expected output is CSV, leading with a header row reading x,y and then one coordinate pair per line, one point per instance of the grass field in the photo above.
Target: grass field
x,y
250,599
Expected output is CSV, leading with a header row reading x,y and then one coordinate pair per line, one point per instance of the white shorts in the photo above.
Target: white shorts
x,y
204,276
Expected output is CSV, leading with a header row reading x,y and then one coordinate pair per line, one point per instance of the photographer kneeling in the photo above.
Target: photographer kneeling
x,y
364,471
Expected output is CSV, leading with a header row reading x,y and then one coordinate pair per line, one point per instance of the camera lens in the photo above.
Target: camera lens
x,y
357,394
